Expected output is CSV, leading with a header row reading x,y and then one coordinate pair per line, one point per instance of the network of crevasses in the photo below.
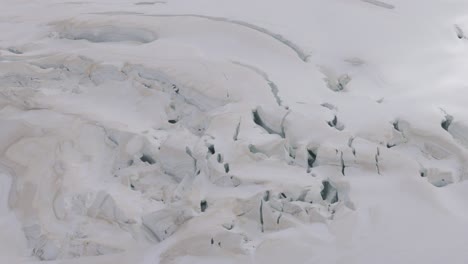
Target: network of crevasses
x,y
168,172
163,173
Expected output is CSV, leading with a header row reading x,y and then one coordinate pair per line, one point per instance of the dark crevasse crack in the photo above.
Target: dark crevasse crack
x,y
112,140
226,167
447,121
311,157
189,152
350,144
278,219
377,154
335,124
228,226
273,86
211,149
258,120
329,192
148,159
175,88
283,132
236,133
343,166
274,91
396,126
459,31
253,149
278,37
423,172
203,205
220,158
261,215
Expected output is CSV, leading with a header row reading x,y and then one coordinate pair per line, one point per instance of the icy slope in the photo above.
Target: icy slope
x,y
324,131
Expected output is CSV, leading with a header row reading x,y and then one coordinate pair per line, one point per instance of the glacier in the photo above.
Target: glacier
x,y
222,131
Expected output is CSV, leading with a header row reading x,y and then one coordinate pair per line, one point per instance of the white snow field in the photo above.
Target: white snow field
x,y
234,131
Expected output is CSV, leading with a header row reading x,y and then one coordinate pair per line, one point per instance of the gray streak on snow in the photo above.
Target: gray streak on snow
x,y
116,13
150,3
379,4
75,3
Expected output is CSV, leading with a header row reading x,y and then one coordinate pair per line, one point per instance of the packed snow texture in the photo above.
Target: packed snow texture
x,y
234,131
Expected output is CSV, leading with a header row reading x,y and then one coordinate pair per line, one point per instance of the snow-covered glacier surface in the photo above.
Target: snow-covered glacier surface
x,y
234,131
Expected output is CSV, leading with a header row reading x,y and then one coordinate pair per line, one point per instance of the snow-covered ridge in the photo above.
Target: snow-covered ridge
x,y
233,131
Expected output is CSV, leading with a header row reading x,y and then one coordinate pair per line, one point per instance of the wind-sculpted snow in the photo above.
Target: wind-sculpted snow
x,y
208,132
